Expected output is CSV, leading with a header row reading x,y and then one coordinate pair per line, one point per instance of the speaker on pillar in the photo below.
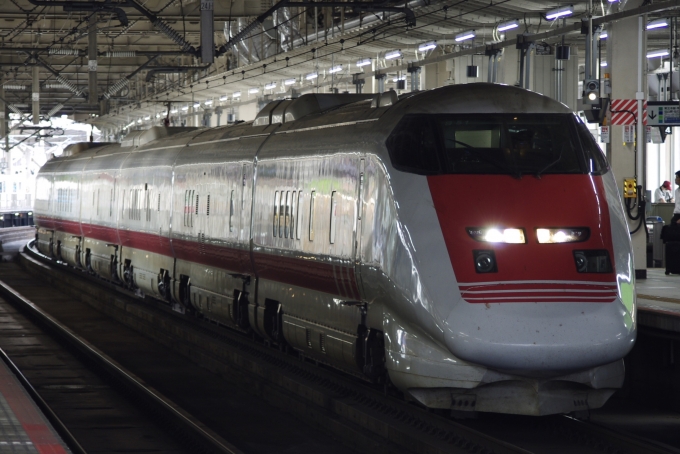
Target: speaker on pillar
x,y
562,52
473,71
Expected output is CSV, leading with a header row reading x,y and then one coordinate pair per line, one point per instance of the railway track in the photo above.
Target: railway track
x,y
94,404
362,416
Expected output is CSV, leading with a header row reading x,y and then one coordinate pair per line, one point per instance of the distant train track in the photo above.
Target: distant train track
x,y
348,408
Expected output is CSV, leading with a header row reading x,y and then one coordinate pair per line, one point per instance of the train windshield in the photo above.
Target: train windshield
x,y
514,144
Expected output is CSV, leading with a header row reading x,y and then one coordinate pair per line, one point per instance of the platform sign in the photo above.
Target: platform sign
x,y
663,113
604,134
628,133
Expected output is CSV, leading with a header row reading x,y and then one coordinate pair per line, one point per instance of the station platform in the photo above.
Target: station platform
x,y
23,427
658,299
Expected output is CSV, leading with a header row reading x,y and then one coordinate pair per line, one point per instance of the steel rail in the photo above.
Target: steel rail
x,y
200,434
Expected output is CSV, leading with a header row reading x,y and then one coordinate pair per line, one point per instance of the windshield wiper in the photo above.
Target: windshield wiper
x,y
559,157
476,152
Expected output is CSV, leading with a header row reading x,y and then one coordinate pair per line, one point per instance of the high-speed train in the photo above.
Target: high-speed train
x,y
466,243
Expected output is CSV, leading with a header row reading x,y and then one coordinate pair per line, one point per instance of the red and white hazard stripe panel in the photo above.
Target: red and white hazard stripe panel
x,y
23,427
624,112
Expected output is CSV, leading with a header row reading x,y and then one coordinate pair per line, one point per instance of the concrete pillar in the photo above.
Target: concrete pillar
x,y
624,60
35,95
3,110
92,59
508,62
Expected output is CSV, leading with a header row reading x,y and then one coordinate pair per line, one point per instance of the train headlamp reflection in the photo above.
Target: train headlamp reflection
x,y
497,235
563,235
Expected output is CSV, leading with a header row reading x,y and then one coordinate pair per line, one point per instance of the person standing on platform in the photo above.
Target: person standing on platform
x,y
663,193
676,211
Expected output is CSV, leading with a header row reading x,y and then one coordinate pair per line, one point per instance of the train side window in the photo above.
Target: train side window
x,y
334,207
298,226
111,205
231,212
186,201
293,213
196,204
287,215
276,212
282,218
122,198
148,206
207,206
159,202
311,215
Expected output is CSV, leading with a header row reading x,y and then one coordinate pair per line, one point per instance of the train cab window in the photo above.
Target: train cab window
x,y
597,162
413,146
514,144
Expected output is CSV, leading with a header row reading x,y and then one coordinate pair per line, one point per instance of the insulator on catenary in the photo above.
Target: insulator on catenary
x,y
115,88
122,53
14,87
172,34
55,109
69,85
62,51
14,109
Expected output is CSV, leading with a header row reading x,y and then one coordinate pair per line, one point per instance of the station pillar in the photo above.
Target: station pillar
x,y
626,58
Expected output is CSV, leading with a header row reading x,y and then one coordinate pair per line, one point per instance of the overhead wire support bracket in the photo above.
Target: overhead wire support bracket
x,y
356,6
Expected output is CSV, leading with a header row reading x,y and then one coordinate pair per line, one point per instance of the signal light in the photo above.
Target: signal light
x,y
591,92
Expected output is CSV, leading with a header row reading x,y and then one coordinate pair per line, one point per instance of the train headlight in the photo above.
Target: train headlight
x,y
485,261
563,235
592,261
497,235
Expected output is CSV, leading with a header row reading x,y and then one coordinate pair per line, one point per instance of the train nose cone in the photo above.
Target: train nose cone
x,y
540,338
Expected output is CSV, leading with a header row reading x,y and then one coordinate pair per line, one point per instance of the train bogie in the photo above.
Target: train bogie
x,y
340,226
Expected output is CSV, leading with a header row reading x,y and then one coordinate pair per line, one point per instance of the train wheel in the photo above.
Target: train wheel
x,y
128,276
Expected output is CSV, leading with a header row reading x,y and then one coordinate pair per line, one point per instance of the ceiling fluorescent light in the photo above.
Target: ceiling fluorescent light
x,y
223,98
391,55
185,107
270,86
604,35
658,53
236,94
253,90
603,64
560,12
289,82
659,23
197,105
208,102
312,76
465,35
174,110
505,26
427,46
335,69
364,62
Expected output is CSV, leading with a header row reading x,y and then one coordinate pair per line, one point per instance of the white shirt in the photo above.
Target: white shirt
x,y
676,210
662,193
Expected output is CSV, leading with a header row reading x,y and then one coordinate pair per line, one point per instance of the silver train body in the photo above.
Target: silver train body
x,y
324,226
